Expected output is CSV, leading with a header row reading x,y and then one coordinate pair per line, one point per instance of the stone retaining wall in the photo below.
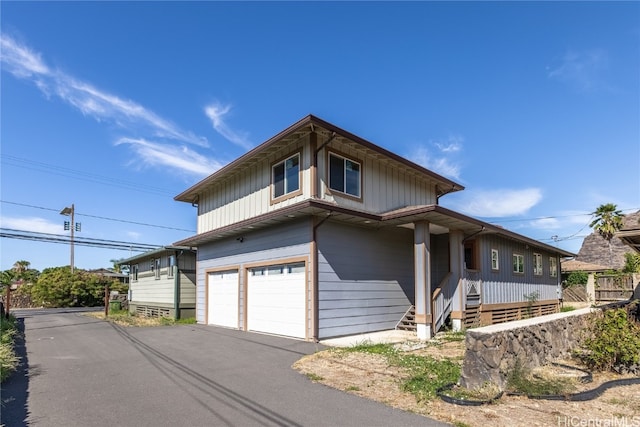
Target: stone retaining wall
x,y
492,351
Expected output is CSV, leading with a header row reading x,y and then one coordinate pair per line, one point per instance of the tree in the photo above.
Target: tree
x,y
631,263
607,221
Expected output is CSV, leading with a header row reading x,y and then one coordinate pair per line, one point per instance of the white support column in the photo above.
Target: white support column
x,y
422,268
456,262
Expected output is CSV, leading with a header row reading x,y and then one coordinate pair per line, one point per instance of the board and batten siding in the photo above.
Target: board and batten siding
x,y
365,278
289,240
187,290
384,187
503,285
248,193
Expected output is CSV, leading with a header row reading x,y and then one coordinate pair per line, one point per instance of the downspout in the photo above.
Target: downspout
x,y
176,288
314,263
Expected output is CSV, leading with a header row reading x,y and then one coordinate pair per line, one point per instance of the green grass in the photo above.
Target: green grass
x,y
453,336
520,380
566,308
426,374
8,359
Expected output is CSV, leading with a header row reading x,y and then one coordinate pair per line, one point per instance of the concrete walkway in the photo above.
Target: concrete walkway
x,y
383,337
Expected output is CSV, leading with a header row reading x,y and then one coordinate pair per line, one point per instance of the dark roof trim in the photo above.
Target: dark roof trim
x,y
445,185
319,207
154,252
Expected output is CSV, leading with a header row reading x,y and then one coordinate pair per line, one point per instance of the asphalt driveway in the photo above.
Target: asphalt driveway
x,y
79,371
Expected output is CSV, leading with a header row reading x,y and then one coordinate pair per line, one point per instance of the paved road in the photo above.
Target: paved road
x,y
79,371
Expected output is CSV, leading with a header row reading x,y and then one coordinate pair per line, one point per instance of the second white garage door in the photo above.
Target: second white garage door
x,y
276,300
223,298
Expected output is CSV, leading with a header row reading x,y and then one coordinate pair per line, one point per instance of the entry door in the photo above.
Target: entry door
x,y
223,298
276,300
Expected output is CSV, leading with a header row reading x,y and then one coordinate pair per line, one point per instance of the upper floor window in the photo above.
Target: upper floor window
x,y
518,263
495,264
553,267
134,272
344,175
286,176
537,264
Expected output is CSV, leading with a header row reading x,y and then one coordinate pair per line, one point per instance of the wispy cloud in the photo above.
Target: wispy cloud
x,y
440,156
581,69
35,224
216,113
498,203
178,158
24,63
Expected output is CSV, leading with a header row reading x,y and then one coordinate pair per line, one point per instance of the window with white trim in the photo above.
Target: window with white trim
x,y
537,264
344,175
495,263
518,263
553,267
171,262
155,266
285,176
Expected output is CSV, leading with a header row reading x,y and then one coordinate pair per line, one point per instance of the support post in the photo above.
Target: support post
x,y
422,273
456,260
106,300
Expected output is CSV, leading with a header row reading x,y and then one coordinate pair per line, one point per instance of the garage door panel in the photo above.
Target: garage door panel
x,y
276,300
223,299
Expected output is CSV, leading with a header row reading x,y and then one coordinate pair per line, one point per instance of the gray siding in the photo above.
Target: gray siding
x,y
365,278
278,242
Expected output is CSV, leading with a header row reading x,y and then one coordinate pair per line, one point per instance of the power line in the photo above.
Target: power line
x,y
100,217
85,176
63,239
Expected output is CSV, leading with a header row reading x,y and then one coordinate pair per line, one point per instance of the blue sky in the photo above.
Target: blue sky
x,y
117,107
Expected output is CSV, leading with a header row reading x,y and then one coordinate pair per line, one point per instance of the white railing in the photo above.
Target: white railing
x,y
441,302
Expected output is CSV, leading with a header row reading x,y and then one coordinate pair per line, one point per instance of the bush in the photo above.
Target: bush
x,y
614,341
8,359
576,278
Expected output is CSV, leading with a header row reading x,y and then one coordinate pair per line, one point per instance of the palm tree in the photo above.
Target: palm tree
x,y
19,267
608,220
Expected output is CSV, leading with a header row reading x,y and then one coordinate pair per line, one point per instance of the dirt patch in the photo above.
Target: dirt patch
x,y
370,376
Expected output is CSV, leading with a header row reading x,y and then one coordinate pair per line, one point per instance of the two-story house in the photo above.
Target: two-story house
x,y
318,233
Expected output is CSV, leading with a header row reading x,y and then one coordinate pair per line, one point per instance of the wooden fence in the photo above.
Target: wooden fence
x,y
614,288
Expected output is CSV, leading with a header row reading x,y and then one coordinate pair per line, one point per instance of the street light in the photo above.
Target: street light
x,y
70,211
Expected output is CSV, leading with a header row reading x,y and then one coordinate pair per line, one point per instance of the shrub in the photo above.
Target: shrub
x,y
576,278
8,359
614,341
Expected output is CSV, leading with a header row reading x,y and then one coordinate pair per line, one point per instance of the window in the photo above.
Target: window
x,y
518,263
344,175
495,264
553,267
470,255
537,264
134,272
286,176
171,262
155,267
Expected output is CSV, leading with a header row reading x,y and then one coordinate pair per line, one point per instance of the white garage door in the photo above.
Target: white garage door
x,y
223,298
276,300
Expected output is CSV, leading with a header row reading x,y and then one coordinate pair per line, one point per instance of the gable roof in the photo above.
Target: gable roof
x,y
300,129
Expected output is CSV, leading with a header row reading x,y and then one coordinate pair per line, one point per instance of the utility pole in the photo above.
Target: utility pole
x,y
73,226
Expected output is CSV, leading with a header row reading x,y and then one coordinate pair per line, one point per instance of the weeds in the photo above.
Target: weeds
x,y
426,374
521,380
8,358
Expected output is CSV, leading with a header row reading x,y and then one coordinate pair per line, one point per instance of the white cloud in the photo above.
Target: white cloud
x,y
581,69
499,202
134,235
180,158
34,224
441,159
546,224
216,113
90,101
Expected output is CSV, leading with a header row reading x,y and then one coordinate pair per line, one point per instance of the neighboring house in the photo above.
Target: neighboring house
x,y
112,274
162,282
318,233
